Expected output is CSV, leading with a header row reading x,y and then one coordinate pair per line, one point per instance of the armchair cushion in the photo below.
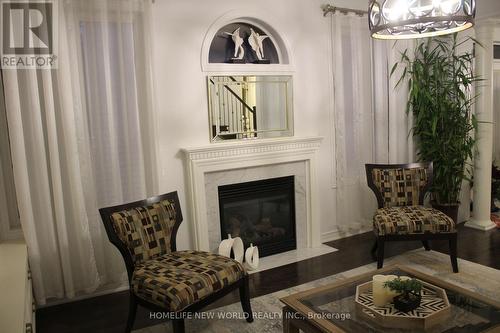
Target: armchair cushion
x,y
146,230
411,220
178,279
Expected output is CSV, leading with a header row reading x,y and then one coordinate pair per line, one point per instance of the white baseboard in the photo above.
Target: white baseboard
x,y
342,233
82,297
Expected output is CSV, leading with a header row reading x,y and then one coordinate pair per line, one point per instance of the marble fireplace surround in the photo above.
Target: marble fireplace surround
x,y
215,179
234,162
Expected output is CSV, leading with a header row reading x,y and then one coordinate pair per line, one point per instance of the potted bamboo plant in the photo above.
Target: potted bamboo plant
x,y
440,98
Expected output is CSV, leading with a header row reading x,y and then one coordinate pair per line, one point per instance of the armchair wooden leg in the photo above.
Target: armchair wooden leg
x,y
178,325
245,299
380,252
453,252
426,245
374,250
132,310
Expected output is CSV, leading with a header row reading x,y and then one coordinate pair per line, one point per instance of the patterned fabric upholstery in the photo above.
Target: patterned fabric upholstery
x,y
400,187
411,220
146,230
179,279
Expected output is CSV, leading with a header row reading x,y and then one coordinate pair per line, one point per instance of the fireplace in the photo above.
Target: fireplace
x,y
260,212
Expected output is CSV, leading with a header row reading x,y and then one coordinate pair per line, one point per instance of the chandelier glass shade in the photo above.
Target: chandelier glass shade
x,y
404,19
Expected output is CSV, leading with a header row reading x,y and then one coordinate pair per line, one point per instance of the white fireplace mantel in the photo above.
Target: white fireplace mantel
x,y
250,154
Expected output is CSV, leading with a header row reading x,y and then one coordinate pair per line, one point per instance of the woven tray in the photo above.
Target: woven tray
x,y
433,308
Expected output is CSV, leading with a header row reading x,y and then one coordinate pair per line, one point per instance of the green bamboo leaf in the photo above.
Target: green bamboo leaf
x,y
394,67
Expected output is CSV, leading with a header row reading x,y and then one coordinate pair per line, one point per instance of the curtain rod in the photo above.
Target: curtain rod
x,y
333,9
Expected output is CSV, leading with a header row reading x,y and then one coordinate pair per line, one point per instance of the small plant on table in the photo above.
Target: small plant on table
x,y
409,290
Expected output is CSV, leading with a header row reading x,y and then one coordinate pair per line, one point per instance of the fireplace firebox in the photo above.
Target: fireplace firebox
x,y
260,212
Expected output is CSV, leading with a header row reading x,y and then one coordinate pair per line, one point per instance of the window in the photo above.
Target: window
x,y
10,226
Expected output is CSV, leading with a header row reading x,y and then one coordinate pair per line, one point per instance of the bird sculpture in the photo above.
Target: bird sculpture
x,y
239,51
255,40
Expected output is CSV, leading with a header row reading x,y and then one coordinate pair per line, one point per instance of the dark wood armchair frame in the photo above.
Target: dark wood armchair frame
x,y
178,321
378,247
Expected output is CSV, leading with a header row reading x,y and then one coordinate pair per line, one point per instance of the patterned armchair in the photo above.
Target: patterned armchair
x,y
400,190
161,278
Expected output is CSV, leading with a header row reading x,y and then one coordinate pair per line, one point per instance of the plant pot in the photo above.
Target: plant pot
x,y
451,210
494,207
407,302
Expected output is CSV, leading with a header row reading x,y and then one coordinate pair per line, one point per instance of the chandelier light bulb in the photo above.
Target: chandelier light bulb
x,y
395,10
450,7
420,8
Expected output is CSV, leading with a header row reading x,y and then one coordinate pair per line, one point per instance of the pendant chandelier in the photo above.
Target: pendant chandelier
x,y
404,19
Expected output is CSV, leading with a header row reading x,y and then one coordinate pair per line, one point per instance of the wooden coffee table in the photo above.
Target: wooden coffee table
x,y
331,308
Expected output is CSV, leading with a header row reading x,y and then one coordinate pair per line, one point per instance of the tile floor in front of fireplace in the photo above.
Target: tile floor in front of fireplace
x,y
289,257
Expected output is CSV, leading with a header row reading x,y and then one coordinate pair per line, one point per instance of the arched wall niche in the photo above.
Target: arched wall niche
x,y
281,52
224,50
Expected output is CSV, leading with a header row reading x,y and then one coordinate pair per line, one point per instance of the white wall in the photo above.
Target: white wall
x,y
487,8
179,27
496,36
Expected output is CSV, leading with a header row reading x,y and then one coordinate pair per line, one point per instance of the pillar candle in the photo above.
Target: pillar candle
x,y
379,291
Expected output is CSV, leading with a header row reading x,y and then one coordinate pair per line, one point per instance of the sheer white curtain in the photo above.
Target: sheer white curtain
x,y
10,226
393,140
371,125
82,137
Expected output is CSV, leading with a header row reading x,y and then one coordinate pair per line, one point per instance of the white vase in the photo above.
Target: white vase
x,y
238,249
235,244
252,257
225,246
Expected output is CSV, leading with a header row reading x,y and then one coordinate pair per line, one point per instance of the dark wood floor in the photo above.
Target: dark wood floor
x,y
107,314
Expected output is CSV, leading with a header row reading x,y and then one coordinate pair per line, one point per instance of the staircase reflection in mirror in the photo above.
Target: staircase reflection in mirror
x,y
250,107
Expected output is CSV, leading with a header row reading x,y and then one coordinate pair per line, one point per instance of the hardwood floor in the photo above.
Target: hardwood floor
x,y
107,314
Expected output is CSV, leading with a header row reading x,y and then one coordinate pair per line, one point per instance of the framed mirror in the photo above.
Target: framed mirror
x,y
250,107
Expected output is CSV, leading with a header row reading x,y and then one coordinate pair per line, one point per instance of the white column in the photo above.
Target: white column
x,y
484,135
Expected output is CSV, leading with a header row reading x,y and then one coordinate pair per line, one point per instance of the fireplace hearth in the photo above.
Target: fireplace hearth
x,y
260,212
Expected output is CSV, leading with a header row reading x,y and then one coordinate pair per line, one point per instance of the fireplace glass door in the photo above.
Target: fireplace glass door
x,y
262,213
